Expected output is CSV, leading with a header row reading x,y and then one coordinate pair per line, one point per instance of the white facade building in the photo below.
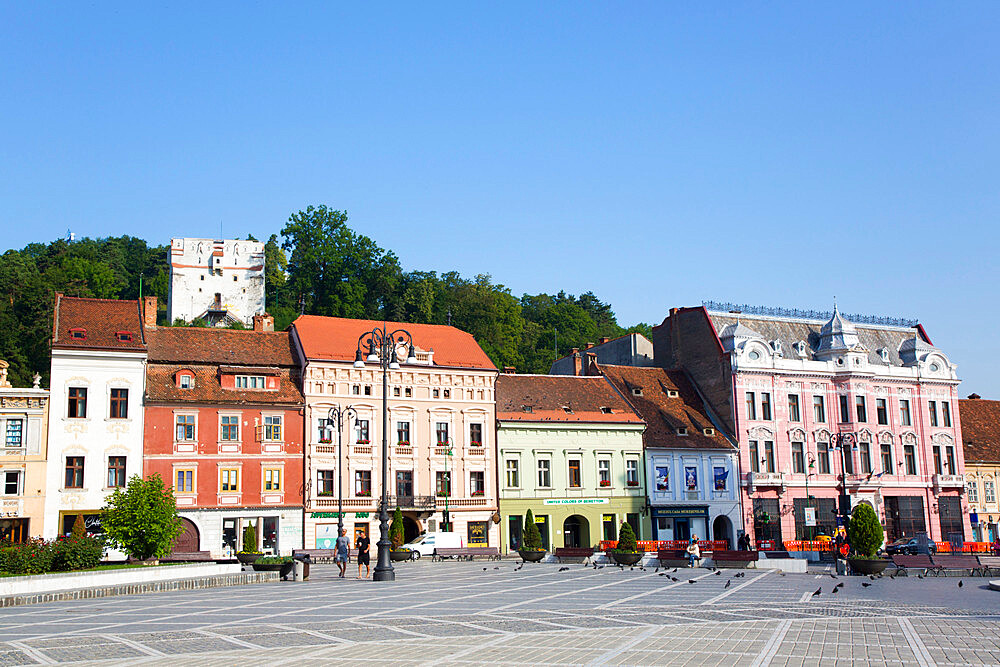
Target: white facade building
x,y
220,282
96,414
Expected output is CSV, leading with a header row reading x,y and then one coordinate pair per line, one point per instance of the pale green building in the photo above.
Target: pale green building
x,y
570,450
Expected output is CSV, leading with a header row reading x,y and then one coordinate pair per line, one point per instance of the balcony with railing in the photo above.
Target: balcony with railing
x,y
949,481
423,503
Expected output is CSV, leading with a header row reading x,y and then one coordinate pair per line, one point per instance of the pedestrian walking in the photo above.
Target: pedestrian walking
x,y
343,547
364,557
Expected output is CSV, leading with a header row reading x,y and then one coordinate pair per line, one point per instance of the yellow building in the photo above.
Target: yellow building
x,y
981,439
23,423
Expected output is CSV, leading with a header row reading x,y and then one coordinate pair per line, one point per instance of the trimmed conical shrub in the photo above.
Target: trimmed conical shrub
x,y
531,539
250,539
626,539
864,532
396,532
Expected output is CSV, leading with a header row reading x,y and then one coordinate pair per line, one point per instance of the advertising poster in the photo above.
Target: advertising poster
x,y
326,535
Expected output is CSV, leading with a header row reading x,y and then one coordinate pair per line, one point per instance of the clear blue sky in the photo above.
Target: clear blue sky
x,y
658,154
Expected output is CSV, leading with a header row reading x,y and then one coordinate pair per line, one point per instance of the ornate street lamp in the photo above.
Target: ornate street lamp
x,y
843,442
336,416
381,345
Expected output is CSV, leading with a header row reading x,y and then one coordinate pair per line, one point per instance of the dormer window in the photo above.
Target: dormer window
x,y
185,381
708,431
605,410
250,382
672,393
682,430
78,334
800,348
637,391
884,355
124,336
776,344
527,408
568,410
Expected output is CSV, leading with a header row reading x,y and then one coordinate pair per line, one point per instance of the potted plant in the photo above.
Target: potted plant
x,y
281,564
403,443
865,535
627,551
396,532
249,553
364,493
605,482
531,541
632,482
363,441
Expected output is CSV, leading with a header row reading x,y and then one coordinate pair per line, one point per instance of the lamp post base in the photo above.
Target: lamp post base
x,y
384,575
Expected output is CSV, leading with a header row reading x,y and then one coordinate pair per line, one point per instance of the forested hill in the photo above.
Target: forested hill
x,y
318,264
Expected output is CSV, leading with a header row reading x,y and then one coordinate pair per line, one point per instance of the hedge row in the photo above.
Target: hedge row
x,y
63,555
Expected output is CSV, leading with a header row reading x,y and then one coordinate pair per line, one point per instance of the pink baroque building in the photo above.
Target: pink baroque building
x,y
793,389
441,435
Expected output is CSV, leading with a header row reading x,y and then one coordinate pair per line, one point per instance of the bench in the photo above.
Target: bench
x,y
574,552
734,558
467,553
322,555
674,558
188,557
917,561
959,562
990,564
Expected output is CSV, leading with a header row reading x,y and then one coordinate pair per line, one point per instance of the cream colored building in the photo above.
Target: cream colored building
x,y
444,402
24,424
981,440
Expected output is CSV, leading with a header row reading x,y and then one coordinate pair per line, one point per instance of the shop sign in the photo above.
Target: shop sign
x,y
324,515
680,511
361,515
575,501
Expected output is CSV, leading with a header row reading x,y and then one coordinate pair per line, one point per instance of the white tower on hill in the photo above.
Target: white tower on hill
x,y
219,281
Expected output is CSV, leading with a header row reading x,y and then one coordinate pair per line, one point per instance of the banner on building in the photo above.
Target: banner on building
x,y
691,478
810,515
662,478
721,477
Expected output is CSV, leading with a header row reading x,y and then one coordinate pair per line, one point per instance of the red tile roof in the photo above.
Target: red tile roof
x,y
336,339
665,414
99,320
229,347
588,399
980,430
162,386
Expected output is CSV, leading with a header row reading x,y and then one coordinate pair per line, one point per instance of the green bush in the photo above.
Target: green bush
x,y
33,557
396,532
142,519
77,553
273,560
250,540
626,539
531,540
864,532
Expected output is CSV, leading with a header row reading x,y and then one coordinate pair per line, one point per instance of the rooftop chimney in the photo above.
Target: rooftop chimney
x,y
588,346
263,322
149,312
577,362
591,366
509,370
604,339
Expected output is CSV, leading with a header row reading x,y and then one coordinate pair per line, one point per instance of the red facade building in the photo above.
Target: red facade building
x,y
224,427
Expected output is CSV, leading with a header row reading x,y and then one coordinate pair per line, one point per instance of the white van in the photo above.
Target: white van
x,y
428,542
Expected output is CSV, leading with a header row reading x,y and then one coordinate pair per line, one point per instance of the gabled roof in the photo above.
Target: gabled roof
x,y
336,339
665,414
980,430
560,398
229,347
99,321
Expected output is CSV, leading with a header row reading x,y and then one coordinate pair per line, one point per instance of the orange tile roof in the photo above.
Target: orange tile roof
x,y
230,347
548,396
336,339
162,387
663,413
100,321
980,430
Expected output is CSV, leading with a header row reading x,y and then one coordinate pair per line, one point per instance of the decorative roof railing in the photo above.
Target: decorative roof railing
x,y
736,308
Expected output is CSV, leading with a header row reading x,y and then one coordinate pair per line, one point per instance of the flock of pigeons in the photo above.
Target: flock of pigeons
x,y
738,575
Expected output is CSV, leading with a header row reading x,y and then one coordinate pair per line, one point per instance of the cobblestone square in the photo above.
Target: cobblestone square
x,y
459,613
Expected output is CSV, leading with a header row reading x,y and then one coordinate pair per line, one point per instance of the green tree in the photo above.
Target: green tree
x,y
396,531
626,539
142,520
335,271
531,540
250,540
79,527
864,532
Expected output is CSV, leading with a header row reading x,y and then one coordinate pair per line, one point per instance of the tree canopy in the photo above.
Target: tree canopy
x,y
317,265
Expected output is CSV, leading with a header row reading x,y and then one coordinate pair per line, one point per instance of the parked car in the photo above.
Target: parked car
x,y
906,546
428,542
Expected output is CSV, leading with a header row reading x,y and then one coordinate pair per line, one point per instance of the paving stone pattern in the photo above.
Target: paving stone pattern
x,y
461,613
